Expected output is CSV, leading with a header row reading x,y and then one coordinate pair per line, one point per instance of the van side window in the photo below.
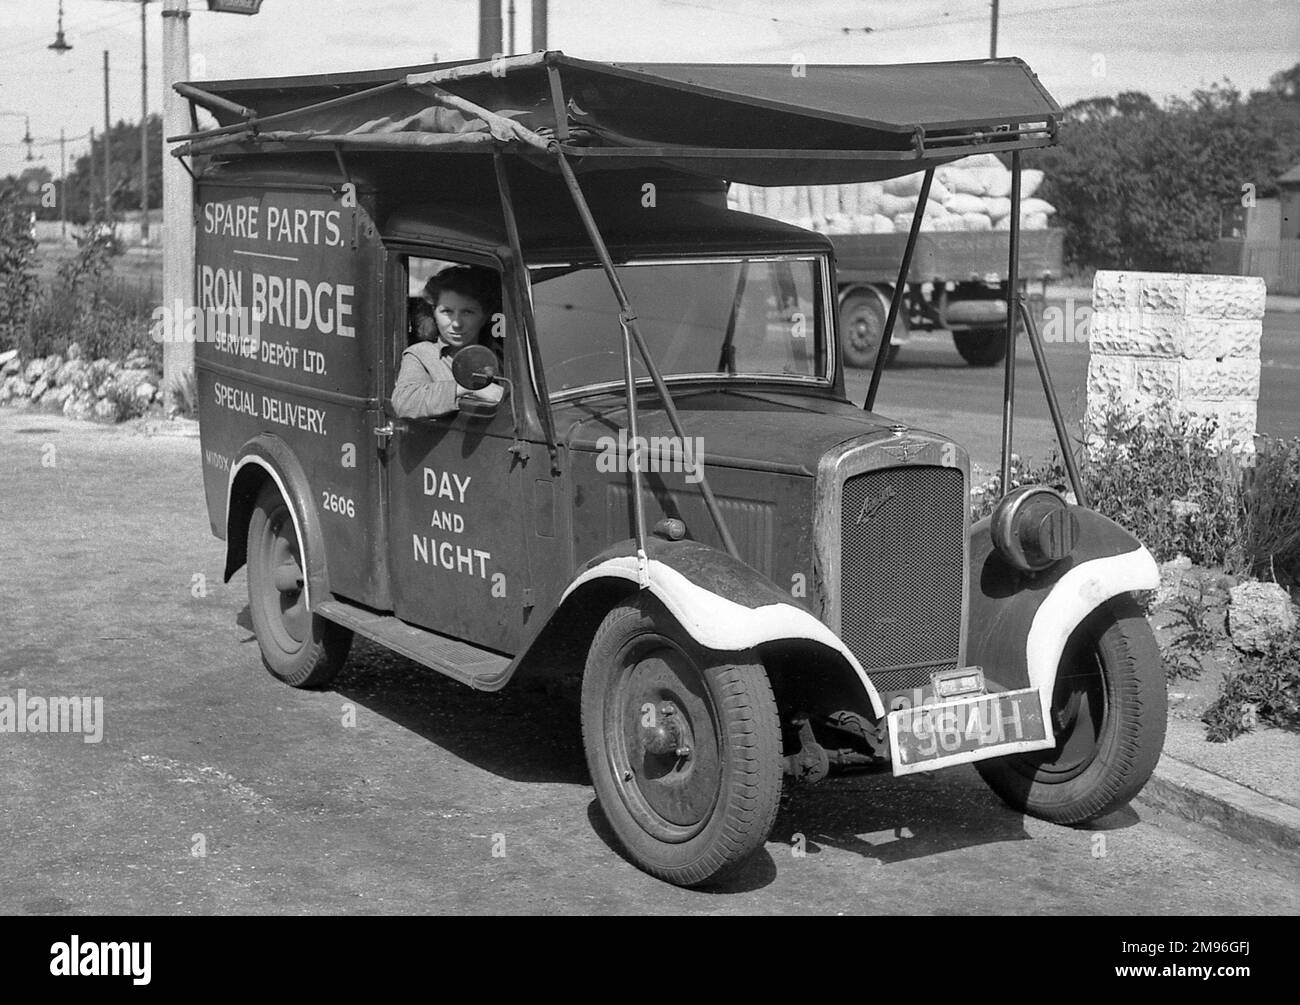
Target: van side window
x,y
420,306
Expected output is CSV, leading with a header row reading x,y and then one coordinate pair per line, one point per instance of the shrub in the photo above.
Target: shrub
x,y
1267,690
18,284
87,304
129,406
1271,511
1167,481
985,497
105,329
1195,640
186,397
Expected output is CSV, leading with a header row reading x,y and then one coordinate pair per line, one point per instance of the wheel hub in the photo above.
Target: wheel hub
x,y
666,754
667,737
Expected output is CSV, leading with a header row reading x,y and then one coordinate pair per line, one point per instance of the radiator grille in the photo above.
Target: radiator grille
x,y
902,541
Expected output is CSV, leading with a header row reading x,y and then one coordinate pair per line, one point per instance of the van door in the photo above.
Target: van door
x,y
455,498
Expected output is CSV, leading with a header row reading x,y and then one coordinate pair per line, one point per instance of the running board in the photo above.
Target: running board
x,y
466,663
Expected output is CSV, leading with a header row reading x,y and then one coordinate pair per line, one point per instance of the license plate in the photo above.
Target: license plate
x,y
968,729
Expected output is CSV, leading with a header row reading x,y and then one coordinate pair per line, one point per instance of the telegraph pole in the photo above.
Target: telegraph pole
x,y
90,191
993,33
539,25
63,187
178,200
144,123
108,153
489,28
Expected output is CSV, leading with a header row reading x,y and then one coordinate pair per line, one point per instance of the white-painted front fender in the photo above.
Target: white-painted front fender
x,y
718,623
1076,595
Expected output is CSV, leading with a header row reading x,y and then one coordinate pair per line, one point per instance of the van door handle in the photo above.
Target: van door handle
x,y
384,433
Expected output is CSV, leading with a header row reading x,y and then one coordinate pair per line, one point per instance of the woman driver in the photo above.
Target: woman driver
x,y
461,297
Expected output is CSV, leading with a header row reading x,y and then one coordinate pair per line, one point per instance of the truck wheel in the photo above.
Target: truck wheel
x,y
1108,713
683,744
862,324
299,647
982,346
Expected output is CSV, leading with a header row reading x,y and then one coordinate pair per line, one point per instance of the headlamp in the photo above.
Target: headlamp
x,y
1034,527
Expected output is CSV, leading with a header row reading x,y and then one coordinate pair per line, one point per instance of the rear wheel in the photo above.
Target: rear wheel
x,y
298,647
1108,714
982,346
862,325
683,744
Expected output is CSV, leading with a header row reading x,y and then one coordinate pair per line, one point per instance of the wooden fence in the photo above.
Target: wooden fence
x,y
1277,262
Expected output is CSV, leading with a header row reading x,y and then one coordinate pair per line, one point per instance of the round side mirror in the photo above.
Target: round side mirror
x,y
475,367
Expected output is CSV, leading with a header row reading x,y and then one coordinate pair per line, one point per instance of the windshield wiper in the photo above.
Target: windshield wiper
x,y
727,361
544,274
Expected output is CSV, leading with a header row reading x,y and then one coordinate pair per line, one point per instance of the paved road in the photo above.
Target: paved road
x,y
929,385
298,813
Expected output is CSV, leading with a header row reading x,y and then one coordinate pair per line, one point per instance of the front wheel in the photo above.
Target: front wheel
x,y
683,744
299,647
1108,714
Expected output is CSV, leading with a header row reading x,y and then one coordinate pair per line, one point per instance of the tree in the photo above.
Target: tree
x,y
1286,83
1140,186
125,181
29,191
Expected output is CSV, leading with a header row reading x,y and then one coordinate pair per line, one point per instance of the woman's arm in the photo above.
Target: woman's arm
x,y
418,393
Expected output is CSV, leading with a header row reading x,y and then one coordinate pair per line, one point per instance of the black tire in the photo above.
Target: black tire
x,y
299,647
648,691
862,325
1109,712
982,346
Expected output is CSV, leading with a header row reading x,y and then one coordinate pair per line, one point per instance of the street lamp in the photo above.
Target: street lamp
x,y
27,130
60,44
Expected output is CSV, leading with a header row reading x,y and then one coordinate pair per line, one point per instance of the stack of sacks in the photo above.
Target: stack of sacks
x,y
970,194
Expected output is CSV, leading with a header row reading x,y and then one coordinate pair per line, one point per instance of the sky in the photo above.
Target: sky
x,y
1079,48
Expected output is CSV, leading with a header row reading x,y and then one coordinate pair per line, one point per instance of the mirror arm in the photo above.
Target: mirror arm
x,y
520,446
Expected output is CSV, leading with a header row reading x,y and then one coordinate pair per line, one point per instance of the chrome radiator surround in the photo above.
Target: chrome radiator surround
x,y
896,448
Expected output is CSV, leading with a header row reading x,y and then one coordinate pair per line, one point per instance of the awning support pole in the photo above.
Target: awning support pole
x,y
558,102
627,318
253,122
1053,406
212,102
1013,318
526,315
895,302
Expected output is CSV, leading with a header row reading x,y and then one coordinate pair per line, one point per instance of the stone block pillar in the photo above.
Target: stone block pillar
x,y
1187,342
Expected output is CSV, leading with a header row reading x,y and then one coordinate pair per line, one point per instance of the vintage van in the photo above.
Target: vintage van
x,y
756,579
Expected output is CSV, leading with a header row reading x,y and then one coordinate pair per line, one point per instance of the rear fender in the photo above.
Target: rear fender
x,y
1020,622
721,602
268,457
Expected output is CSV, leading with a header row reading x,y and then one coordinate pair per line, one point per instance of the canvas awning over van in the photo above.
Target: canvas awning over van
x,y
765,124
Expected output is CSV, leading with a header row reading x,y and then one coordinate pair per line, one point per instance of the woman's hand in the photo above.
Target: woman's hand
x,y
492,393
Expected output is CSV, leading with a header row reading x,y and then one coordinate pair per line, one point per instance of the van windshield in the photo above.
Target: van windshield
x,y
759,316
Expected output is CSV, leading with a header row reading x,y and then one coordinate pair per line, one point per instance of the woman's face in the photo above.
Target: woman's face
x,y
460,319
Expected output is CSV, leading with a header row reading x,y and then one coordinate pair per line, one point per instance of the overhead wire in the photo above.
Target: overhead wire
x,y
926,22
932,21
